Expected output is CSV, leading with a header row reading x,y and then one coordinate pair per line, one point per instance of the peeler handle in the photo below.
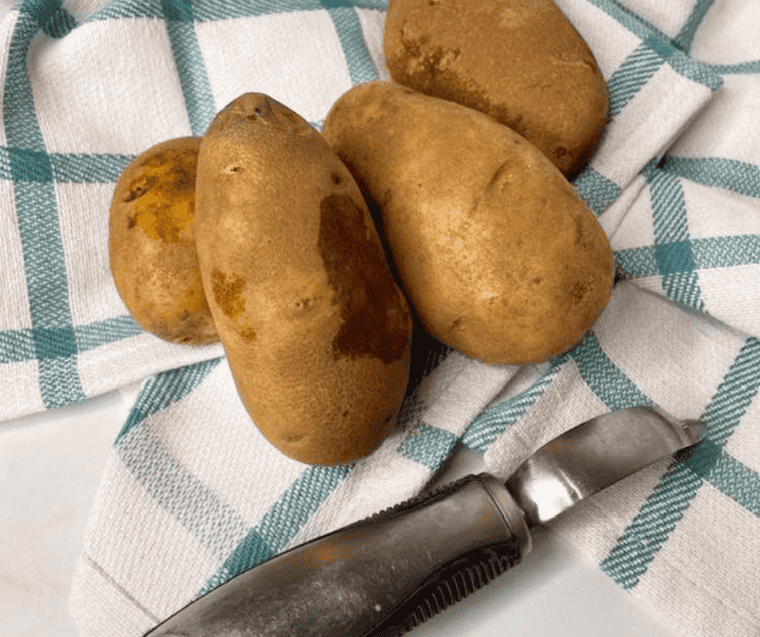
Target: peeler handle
x,y
379,577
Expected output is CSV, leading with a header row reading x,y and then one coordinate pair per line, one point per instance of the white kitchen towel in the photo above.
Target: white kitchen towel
x,y
193,495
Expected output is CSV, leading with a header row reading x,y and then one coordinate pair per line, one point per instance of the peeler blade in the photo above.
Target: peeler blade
x,y
595,455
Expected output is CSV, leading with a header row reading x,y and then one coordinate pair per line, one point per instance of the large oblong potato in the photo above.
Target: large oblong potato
x,y
520,61
495,251
317,334
151,244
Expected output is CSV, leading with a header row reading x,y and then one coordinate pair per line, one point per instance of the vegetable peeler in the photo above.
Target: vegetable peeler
x,y
385,575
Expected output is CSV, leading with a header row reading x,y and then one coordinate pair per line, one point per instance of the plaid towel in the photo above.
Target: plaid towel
x,y
192,494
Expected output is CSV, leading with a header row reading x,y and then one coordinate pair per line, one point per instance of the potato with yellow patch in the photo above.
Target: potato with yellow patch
x,y
317,334
151,244
496,253
520,61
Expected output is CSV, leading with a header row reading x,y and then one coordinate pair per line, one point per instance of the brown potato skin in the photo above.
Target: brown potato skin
x,y
497,255
317,334
151,244
520,61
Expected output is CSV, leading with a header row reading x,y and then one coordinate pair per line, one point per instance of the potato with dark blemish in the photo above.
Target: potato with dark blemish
x,y
317,334
496,253
520,61
152,244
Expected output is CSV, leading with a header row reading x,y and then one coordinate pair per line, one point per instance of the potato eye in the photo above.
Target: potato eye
x,y
135,193
138,188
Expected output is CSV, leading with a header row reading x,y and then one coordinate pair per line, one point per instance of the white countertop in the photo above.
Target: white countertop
x,y
50,467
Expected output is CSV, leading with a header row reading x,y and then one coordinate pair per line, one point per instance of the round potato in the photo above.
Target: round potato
x,y
496,253
152,244
317,334
520,61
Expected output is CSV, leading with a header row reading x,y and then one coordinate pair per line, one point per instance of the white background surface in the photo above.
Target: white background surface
x,y
50,467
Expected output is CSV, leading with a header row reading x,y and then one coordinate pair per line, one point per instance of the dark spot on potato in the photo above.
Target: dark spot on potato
x,y
292,437
336,179
432,75
162,221
227,293
375,320
138,188
560,152
578,225
411,47
131,222
164,195
264,111
232,169
194,322
456,324
266,114
135,193
582,237
475,203
296,121
248,334
577,292
501,176
305,305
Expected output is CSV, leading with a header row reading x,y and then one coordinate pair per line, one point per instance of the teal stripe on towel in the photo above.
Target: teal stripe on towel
x,y
37,215
162,390
738,176
428,446
673,248
196,88
281,523
634,551
347,25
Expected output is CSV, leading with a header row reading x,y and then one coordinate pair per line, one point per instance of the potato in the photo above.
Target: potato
x,y
520,61
316,331
151,244
496,253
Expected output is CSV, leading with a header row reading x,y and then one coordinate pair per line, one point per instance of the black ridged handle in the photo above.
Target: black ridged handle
x,y
379,577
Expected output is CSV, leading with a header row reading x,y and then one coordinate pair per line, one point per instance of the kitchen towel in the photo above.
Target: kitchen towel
x,y
192,494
